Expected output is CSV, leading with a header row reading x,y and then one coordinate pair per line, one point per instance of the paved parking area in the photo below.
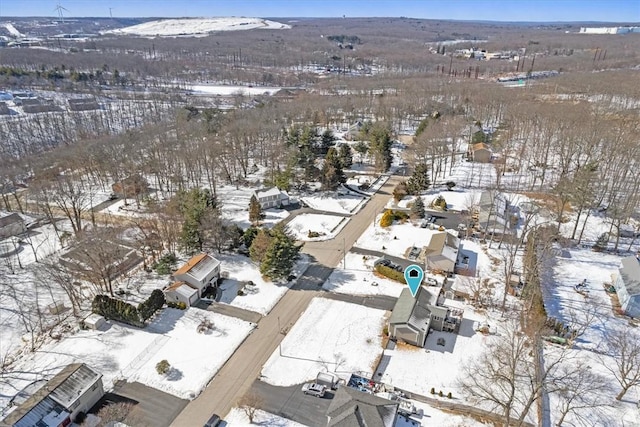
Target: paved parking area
x,y
292,403
151,407
449,220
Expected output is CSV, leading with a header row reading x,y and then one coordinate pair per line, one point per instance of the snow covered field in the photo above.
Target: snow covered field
x,y
326,225
264,294
238,418
330,336
346,204
195,26
123,351
358,279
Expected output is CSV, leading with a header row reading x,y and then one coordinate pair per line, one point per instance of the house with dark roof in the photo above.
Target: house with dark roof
x,y
11,225
412,318
628,286
352,408
76,388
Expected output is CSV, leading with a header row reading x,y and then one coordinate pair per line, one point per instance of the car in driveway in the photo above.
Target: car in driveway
x,y
382,261
214,421
314,389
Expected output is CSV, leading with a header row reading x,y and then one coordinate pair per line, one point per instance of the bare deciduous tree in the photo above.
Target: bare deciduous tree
x,y
250,403
623,348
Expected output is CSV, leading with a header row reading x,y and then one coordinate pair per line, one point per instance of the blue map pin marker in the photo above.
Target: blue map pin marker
x,y
413,275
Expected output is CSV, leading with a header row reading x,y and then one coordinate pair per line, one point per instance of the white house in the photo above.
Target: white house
x,y
441,253
271,197
73,390
199,272
11,225
181,292
628,286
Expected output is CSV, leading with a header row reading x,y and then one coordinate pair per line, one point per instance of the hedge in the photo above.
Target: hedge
x,y
390,273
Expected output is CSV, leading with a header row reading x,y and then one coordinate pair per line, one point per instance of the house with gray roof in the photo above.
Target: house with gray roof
x,y
412,318
628,286
271,197
76,388
352,408
11,225
441,253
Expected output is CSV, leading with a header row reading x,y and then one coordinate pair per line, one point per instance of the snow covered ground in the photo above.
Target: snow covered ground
x,y
228,90
195,26
395,239
263,295
358,278
326,225
418,369
344,204
123,351
330,336
238,418
436,417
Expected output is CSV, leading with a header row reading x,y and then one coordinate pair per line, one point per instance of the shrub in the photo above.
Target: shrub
x,y
601,243
440,393
450,185
433,390
116,309
385,331
152,304
440,203
312,234
179,305
390,273
162,367
387,219
240,292
449,395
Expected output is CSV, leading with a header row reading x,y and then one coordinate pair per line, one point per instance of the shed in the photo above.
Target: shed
x,y
481,153
94,321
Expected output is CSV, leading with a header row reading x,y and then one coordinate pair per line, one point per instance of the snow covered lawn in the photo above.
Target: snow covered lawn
x,y
394,240
346,204
264,294
358,279
123,351
237,418
326,225
331,335
418,369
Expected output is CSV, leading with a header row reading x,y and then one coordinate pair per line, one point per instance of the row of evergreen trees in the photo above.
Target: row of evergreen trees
x,y
116,309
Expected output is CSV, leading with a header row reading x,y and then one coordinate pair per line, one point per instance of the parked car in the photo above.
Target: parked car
x,y
382,261
314,389
432,219
424,223
431,281
397,267
214,421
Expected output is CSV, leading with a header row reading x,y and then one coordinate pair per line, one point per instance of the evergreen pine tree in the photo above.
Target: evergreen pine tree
x,y
280,256
419,180
417,209
255,210
332,174
346,157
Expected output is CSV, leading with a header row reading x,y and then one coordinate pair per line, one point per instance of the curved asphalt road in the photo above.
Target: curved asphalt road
x,y
236,376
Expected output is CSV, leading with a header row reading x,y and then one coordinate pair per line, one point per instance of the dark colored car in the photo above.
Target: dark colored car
x,y
382,261
214,421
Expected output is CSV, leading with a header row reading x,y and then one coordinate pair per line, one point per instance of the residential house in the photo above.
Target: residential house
x,y
412,317
11,225
353,408
441,253
199,272
481,153
73,390
628,286
271,198
181,292
99,257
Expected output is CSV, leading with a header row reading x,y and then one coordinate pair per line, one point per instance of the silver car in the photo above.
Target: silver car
x,y
314,389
